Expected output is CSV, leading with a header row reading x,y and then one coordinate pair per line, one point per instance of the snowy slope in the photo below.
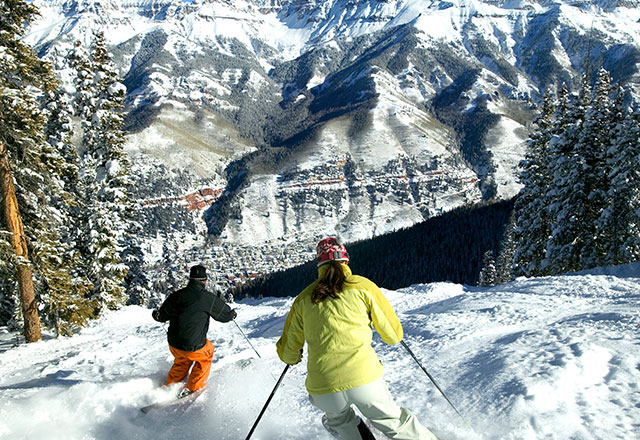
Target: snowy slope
x,y
548,358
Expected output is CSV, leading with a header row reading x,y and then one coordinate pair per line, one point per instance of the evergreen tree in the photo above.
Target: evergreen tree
x,y
83,104
64,286
569,191
136,281
66,306
532,229
42,176
166,279
83,107
173,265
506,253
488,274
619,223
106,177
59,132
592,200
23,79
9,301
591,149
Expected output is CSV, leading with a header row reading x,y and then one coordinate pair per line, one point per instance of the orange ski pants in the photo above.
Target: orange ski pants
x,y
201,361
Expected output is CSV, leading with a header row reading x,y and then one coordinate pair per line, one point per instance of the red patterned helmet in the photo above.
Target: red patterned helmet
x,y
329,249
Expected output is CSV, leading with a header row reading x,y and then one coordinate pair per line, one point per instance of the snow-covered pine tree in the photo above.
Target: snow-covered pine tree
x,y
567,195
532,224
64,285
23,78
59,132
168,275
106,175
506,252
83,104
591,148
65,305
9,302
488,275
83,107
619,223
131,230
136,281
173,266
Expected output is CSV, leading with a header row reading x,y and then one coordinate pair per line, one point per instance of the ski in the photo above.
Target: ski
x,y
167,403
374,431
241,364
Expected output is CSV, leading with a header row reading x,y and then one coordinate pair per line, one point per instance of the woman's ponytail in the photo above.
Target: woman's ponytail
x,y
330,284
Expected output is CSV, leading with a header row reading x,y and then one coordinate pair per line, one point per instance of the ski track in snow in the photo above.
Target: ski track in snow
x,y
546,358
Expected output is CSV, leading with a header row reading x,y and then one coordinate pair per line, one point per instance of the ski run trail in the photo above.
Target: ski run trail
x,y
540,358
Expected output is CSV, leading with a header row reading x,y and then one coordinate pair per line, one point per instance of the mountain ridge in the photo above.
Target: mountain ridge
x,y
272,91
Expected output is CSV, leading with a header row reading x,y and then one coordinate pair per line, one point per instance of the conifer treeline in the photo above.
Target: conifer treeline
x,y
449,247
580,204
579,208
75,209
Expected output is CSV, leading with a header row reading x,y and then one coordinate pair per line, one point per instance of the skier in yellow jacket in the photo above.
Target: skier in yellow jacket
x,y
334,315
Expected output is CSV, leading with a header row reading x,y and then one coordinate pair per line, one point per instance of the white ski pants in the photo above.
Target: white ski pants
x,y
374,401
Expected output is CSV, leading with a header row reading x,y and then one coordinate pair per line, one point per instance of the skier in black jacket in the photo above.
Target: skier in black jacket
x,y
188,311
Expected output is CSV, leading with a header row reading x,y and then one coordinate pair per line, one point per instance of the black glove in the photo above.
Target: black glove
x,y
156,315
299,359
233,314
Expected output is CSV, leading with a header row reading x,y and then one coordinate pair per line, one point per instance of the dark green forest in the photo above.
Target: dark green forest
x,y
448,247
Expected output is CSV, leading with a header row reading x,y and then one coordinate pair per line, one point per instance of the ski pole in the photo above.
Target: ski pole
x,y
254,349
404,344
245,336
264,408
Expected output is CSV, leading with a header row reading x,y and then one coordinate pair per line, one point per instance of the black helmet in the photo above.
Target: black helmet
x,y
198,273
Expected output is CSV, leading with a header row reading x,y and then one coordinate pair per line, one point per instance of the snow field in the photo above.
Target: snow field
x,y
548,358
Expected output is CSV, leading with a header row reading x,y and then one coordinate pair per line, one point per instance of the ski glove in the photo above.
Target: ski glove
x,y
234,314
156,315
299,359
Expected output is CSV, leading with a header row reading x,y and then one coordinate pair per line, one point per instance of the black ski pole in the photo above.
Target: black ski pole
x,y
245,336
404,344
268,401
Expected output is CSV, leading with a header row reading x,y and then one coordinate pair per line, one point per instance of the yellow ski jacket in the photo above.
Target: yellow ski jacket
x,y
338,334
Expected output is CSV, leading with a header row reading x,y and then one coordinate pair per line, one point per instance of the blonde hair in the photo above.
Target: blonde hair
x,y
330,284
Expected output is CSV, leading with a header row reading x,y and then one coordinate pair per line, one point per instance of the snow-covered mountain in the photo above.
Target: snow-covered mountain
x,y
355,117
550,358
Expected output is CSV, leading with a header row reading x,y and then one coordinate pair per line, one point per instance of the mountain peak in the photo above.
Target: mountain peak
x,y
387,111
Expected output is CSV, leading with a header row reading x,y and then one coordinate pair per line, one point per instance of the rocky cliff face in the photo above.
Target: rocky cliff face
x,y
354,117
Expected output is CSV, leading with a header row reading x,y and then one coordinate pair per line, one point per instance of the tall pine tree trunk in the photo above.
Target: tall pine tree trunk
x,y
18,241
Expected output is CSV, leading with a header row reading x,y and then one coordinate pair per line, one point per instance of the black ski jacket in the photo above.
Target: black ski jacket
x,y
188,311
